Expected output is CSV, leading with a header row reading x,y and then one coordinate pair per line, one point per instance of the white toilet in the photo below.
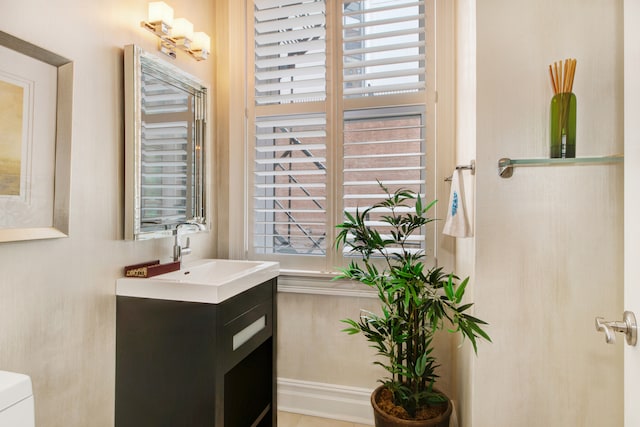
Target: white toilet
x,y
16,400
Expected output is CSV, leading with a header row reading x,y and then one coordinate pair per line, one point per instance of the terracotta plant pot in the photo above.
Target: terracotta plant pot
x,y
383,419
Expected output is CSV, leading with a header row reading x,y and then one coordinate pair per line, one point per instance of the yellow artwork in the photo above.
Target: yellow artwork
x,y
11,99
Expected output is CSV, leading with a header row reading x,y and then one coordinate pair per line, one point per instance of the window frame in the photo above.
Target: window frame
x,y
335,108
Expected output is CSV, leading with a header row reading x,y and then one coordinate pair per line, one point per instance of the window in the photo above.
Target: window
x,y
339,102
290,185
387,146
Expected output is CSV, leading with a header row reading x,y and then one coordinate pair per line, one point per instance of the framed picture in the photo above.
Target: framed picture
x,y
35,141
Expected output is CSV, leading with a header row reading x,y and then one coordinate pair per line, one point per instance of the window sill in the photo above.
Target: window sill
x,y
315,283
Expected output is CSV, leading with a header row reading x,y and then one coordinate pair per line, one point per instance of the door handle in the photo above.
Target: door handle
x,y
628,327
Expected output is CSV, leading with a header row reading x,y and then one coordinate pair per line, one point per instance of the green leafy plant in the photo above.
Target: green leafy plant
x,y
415,301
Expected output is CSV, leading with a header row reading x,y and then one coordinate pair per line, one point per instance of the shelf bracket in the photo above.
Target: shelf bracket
x,y
505,168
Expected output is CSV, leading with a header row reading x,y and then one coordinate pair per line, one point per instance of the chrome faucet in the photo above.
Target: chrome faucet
x,y
179,250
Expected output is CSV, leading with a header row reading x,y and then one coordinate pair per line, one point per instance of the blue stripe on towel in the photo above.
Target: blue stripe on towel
x,y
454,204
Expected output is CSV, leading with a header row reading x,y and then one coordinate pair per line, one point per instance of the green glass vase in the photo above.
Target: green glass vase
x,y
563,126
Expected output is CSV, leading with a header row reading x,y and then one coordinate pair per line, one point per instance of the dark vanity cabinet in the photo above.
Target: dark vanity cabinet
x,y
181,364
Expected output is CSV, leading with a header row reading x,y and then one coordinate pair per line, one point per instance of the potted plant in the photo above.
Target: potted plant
x,y
416,302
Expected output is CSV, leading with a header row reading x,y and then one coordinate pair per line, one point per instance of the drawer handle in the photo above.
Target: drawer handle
x,y
249,332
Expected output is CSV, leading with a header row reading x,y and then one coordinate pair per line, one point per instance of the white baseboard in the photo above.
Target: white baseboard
x,y
325,400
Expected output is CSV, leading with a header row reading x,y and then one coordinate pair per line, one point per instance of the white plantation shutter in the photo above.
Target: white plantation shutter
x,y
290,185
290,51
313,155
387,146
383,47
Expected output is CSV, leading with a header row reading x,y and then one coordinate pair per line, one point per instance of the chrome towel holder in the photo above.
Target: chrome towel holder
x,y
471,166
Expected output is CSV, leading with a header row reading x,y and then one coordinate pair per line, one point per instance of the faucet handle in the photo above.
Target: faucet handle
x,y
186,249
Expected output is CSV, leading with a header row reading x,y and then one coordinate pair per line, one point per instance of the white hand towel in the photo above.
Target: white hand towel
x,y
456,224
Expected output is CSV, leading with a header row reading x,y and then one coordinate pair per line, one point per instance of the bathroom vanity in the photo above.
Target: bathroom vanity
x,y
197,349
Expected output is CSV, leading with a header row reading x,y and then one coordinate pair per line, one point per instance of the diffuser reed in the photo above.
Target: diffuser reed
x,y
566,77
563,109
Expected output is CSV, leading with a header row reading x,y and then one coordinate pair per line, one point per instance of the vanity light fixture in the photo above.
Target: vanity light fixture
x,y
175,33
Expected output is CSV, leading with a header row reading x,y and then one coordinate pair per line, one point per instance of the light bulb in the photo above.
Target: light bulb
x,y
159,11
182,28
201,41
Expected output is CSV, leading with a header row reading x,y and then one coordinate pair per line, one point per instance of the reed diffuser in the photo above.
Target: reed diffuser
x,y
563,109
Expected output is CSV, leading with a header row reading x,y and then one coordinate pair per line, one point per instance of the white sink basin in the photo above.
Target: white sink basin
x,y
208,280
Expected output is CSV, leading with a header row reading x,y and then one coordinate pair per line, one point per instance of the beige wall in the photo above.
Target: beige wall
x,y
548,246
57,297
546,259
466,148
313,348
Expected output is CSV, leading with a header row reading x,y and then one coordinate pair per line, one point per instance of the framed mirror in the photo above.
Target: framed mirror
x,y
165,140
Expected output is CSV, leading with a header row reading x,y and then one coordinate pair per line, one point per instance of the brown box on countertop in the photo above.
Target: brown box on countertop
x,y
150,269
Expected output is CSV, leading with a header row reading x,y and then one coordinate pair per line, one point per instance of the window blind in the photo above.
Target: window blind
x,y
290,51
383,47
385,146
290,185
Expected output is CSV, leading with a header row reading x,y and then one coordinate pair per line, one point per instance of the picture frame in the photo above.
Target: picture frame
x,y
36,204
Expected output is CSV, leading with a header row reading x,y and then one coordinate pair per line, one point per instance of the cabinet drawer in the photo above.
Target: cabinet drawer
x,y
246,332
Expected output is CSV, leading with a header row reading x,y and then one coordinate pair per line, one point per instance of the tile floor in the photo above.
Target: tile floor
x,y
287,419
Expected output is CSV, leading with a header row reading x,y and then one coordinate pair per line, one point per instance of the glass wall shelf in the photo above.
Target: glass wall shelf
x,y
506,165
